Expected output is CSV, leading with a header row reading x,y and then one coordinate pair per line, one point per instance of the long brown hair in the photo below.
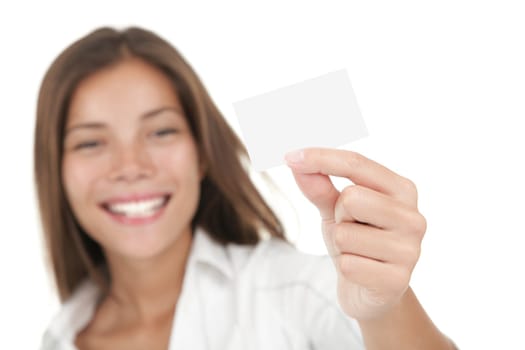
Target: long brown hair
x,y
230,207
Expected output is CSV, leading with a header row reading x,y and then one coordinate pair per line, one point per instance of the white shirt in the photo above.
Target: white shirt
x,y
234,297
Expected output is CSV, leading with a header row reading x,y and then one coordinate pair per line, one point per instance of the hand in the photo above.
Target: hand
x,y
372,230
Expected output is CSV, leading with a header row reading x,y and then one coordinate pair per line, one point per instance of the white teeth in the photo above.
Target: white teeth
x,y
138,209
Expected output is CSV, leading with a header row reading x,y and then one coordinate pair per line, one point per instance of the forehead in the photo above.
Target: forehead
x,y
129,88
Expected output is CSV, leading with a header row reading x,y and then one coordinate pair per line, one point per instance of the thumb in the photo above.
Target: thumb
x,y
319,190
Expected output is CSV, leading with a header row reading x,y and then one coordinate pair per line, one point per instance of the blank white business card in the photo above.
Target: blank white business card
x,y
318,112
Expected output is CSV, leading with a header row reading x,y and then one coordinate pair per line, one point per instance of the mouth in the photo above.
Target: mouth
x,y
136,209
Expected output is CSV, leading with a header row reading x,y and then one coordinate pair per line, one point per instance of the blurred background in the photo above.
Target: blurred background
x,y
440,85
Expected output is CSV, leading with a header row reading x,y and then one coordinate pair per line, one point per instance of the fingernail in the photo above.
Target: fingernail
x,y
294,156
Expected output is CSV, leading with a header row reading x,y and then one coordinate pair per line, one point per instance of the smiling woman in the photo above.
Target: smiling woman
x,y
157,238
94,104
131,155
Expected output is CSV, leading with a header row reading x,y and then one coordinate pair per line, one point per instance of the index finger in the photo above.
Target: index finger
x,y
355,167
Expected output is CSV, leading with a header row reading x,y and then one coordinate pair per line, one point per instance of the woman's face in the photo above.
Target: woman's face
x,y
130,167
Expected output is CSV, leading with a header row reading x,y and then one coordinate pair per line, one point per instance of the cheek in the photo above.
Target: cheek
x,y
181,161
77,177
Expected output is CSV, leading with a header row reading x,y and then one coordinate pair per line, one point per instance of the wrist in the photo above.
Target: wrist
x,y
404,326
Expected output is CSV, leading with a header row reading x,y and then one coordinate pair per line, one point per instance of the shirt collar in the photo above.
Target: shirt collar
x,y
77,311
206,250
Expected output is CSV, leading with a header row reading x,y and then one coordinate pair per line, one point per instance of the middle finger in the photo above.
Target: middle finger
x,y
361,204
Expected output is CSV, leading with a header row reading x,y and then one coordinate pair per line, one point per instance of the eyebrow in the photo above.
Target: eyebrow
x,y
147,115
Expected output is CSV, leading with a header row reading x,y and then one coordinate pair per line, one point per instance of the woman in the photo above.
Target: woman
x,y
154,229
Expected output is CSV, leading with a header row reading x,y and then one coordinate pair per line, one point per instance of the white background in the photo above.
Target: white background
x,y
440,84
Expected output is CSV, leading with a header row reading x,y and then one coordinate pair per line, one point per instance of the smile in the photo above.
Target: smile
x,y
136,210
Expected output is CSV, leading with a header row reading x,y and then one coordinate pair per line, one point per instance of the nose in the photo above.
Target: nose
x,y
130,163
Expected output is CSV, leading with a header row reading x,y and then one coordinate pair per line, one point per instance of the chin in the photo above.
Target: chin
x,y
147,244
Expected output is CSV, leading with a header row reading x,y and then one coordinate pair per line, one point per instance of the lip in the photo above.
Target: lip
x,y
134,197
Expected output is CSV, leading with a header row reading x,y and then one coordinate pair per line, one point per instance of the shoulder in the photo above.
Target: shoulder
x,y
73,315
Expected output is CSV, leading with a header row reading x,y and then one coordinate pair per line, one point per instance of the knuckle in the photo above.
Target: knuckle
x,y
339,238
350,200
416,254
408,188
414,222
409,184
411,254
350,195
422,224
354,159
345,264
311,152
418,224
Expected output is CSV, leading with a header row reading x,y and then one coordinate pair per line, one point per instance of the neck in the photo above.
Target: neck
x,y
148,289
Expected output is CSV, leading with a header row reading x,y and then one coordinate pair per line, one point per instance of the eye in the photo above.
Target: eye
x,y
164,132
87,145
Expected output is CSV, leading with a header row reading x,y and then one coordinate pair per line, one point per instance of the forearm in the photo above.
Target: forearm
x,y
406,326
